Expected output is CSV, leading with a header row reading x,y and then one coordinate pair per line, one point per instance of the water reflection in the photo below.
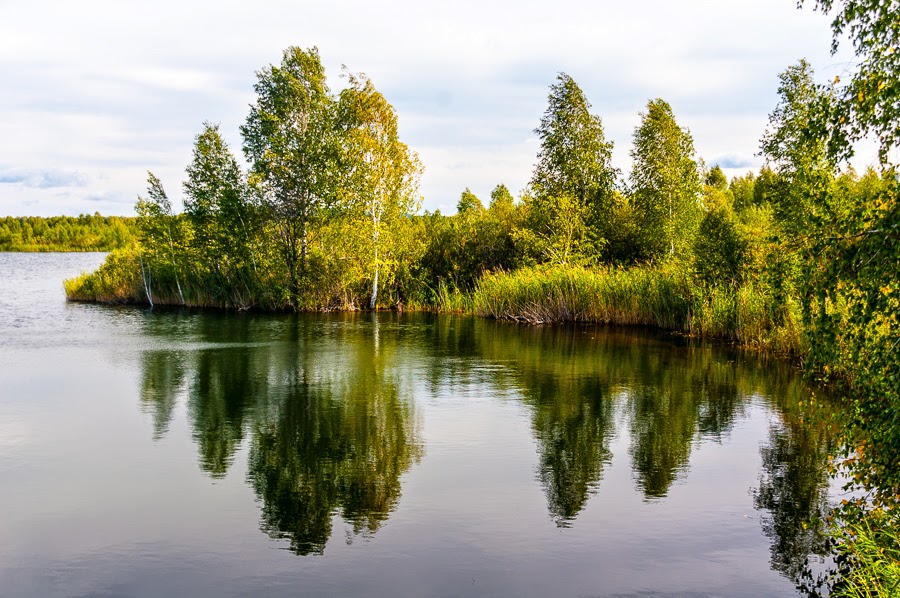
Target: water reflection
x,y
585,384
793,485
682,398
221,391
338,440
327,406
162,376
331,422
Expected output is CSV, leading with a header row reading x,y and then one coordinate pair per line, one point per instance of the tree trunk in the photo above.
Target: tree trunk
x,y
174,266
374,297
304,249
145,281
373,300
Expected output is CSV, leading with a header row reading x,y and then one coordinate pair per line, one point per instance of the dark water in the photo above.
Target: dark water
x,y
152,453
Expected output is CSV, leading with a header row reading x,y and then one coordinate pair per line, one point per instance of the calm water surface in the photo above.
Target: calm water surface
x,y
152,452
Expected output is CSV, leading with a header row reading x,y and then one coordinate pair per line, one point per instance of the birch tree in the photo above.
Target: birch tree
x,y
382,172
665,184
216,204
159,232
290,142
575,160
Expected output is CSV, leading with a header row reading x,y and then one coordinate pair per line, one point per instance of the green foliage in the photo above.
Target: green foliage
x,y
665,185
502,202
290,141
460,248
854,312
716,178
222,219
844,236
116,281
766,186
867,103
575,157
468,202
382,173
719,250
162,236
623,244
66,233
870,549
786,143
846,231
804,170
853,299
555,229
573,179
742,191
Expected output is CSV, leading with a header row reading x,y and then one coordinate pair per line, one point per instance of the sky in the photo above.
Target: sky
x,y
96,93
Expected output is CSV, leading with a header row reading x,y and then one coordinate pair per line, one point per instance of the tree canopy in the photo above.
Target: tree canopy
x,y
868,103
665,183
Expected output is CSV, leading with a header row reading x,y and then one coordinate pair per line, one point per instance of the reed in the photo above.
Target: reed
x,y
452,300
117,280
646,297
667,298
871,546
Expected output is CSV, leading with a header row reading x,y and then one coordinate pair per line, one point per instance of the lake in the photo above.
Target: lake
x,y
171,452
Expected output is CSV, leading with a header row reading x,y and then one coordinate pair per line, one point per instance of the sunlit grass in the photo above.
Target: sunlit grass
x,y
667,298
872,548
117,280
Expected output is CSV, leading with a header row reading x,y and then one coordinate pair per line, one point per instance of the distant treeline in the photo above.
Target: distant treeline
x,y
66,233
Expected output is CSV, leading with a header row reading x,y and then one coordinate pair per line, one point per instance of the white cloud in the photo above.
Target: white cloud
x,y
114,88
42,179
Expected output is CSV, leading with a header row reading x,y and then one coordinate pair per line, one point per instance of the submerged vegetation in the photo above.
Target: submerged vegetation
x,y
800,257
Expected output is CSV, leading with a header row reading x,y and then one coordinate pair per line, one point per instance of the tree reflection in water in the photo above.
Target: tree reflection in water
x,y
327,407
332,423
793,486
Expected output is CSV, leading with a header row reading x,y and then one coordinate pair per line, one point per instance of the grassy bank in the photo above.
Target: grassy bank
x,y
670,299
126,277
117,280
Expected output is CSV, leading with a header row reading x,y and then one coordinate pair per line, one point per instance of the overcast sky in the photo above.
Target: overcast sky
x,y
94,93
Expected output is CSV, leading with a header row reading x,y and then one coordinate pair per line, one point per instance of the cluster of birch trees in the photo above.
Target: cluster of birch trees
x,y
325,216
325,171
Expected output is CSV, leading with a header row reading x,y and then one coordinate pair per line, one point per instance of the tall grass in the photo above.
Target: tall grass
x,y
667,298
750,316
872,548
545,295
122,278
452,300
117,280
